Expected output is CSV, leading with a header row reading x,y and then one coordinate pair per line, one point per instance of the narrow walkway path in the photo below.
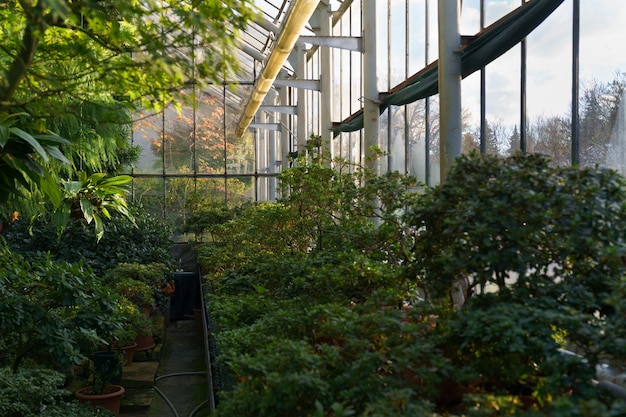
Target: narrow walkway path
x,y
182,353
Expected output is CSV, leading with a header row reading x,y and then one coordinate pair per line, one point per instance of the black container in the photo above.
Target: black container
x,y
107,367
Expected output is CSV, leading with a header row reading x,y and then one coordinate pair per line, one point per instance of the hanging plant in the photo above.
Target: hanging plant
x,y
92,198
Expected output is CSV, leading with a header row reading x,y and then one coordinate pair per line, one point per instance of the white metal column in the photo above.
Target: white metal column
x,y
302,104
271,168
449,84
371,115
285,134
326,73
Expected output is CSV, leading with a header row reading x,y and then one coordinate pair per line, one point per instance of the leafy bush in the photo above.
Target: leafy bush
x,y
53,312
143,241
367,326
36,392
144,284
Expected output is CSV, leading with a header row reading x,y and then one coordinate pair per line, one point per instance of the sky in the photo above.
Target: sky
x,y
549,58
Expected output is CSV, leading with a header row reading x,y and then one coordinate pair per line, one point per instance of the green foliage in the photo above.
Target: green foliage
x,y
100,133
93,198
25,153
52,311
84,49
205,214
36,392
311,323
542,250
80,68
131,317
495,219
323,209
143,284
309,288
134,290
143,241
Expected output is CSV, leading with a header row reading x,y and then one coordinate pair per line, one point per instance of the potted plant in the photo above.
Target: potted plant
x,y
124,339
104,391
137,292
155,278
30,391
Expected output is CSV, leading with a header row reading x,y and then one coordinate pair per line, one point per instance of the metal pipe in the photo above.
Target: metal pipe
x,y
427,104
483,92
298,15
575,79
523,113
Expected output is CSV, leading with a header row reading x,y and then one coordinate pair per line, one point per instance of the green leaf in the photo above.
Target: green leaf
x,y
87,208
4,134
99,227
34,143
118,180
56,153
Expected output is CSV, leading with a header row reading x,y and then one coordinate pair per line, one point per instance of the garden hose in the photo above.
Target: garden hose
x,y
168,402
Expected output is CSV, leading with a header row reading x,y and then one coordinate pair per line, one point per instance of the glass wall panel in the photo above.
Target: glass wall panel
x,y
179,140
148,135
602,82
397,142
150,193
240,190
417,140
416,40
383,139
382,44
239,150
397,35
549,86
179,193
210,140
356,67
495,9
433,142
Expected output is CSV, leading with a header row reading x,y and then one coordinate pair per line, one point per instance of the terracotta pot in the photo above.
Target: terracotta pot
x,y
109,400
144,342
128,351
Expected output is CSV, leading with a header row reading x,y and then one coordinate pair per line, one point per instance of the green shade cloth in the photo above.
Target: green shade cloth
x,y
487,45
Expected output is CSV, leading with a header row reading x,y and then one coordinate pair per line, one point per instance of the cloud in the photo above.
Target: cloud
x,y
549,59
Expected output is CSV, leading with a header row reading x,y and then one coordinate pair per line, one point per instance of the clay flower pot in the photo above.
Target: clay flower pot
x,y
110,398
128,351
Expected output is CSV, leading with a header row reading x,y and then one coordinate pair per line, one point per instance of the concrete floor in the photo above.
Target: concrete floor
x,y
182,352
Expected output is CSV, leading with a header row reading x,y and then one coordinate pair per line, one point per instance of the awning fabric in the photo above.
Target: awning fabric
x,y
488,45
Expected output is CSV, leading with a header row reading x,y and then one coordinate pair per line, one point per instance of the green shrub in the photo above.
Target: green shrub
x,y
36,392
52,312
144,241
367,327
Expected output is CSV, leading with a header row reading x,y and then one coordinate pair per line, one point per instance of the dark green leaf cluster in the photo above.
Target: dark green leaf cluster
x,y
36,392
318,312
143,241
54,312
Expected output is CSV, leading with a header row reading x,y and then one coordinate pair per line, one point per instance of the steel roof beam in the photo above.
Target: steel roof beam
x,y
298,16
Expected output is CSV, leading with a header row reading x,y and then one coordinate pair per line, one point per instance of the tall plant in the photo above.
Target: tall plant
x,y
53,312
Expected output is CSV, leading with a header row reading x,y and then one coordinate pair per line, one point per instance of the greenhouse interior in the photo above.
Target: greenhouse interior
x,y
312,208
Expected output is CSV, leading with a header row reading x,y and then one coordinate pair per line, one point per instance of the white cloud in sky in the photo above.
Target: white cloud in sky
x,y
549,58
